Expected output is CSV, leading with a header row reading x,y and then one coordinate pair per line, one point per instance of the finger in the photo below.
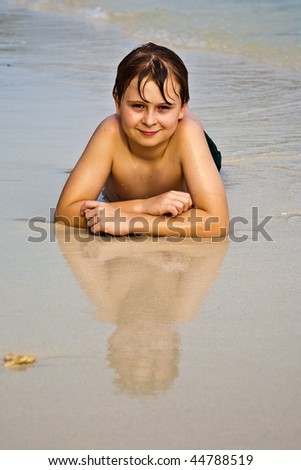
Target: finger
x,y
93,221
177,208
187,205
180,205
88,205
90,214
95,228
183,202
187,199
190,201
171,209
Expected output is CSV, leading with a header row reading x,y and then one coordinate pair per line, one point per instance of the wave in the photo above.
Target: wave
x,y
271,36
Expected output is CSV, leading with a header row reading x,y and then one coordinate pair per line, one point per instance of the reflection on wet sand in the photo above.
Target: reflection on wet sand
x,y
143,286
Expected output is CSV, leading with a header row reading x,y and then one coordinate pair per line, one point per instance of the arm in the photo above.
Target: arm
x,y
88,177
192,223
171,202
208,217
203,182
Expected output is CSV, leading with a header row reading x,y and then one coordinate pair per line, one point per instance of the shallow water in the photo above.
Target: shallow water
x,y
251,108
144,344
267,30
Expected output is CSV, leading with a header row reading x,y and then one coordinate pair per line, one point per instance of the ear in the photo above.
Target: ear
x,y
117,104
182,111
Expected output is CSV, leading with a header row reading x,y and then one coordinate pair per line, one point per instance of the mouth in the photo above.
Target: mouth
x,y
148,133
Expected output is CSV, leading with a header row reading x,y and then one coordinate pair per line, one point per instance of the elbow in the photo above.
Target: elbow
x,y
212,226
56,216
219,227
216,230
59,217
220,231
64,217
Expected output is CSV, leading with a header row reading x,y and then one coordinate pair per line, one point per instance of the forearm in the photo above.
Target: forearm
x,y
133,206
133,217
70,215
192,223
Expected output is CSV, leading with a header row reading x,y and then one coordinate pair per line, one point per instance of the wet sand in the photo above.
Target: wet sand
x,y
140,343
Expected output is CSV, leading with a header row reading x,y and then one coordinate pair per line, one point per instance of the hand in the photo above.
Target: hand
x,y
89,205
102,217
172,202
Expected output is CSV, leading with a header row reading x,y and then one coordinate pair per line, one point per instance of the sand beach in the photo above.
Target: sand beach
x,y
146,343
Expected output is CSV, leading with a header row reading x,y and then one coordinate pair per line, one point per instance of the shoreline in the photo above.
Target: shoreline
x,y
135,25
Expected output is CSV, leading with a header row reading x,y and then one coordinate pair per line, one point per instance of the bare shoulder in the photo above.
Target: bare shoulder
x,y
194,153
105,139
190,123
201,175
110,126
190,137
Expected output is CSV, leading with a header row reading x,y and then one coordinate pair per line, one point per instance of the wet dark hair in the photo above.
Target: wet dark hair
x,y
152,62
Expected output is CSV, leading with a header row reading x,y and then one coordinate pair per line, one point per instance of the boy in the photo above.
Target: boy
x,y
151,158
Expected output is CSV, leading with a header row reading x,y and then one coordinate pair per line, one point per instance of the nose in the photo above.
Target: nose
x,y
149,118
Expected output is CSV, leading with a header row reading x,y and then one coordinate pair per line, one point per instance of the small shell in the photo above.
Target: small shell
x,y
11,360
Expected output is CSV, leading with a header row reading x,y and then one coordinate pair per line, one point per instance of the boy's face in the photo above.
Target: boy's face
x,y
150,123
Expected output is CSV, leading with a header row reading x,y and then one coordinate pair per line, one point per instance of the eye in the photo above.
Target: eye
x,y
164,107
138,106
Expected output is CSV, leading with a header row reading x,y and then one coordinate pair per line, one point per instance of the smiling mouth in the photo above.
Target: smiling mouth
x,y
148,133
